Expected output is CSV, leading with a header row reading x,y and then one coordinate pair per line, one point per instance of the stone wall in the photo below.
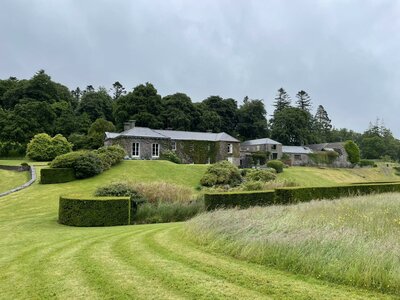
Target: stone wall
x,y
145,151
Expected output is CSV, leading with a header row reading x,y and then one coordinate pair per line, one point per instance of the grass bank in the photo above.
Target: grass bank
x,y
12,179
354,241
313,176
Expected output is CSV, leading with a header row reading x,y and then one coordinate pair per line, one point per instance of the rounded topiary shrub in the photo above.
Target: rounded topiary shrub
x,y
87,165
276,164
221,173
353,152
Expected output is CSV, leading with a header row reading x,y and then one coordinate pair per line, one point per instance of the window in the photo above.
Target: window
x,y
135,150
273,147
173,145
274,155
297,157
258,147
155,150
230,148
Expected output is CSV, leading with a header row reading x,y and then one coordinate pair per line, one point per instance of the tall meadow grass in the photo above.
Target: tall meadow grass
x,y
354,241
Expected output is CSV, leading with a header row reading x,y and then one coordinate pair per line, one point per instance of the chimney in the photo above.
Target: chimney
x,y
129,125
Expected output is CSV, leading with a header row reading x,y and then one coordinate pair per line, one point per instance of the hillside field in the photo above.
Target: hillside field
x,y
41,259
12,179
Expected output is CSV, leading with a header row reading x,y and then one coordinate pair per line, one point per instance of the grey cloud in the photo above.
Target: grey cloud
x,y
344,53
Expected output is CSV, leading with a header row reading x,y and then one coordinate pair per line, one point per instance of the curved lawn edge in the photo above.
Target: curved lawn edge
x,y
32,173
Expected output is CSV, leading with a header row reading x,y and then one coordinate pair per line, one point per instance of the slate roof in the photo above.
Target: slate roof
x,y
260,142
326,146
173,135
296,150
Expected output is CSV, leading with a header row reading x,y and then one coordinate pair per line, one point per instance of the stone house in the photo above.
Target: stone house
x,y
191,147
249,149
341,161
298,155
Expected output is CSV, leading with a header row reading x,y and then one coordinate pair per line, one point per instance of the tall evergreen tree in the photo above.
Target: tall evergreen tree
x,y
322,124
282,100
303,101
118,90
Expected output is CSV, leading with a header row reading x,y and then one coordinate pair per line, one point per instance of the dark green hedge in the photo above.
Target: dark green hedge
x,y
94,211
242,199
293,195
49,175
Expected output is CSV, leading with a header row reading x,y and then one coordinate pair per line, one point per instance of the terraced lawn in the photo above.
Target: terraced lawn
x,y
12,179
40,259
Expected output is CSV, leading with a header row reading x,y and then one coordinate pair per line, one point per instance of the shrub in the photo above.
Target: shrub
x,y
50,175
367,163
252,186
82,211
66,160
323,157
276,164
115,153
120,189
222,172
44,148
260,175
87,165
353,152
170,156
238,199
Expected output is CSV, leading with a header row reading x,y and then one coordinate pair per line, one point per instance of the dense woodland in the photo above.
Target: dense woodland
x,y
36,105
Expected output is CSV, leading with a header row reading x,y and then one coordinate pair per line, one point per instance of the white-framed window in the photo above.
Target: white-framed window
x,y
155,150
173,145
297,157
135,149
230,148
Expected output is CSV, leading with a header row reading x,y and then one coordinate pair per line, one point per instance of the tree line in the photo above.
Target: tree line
x,y
40,105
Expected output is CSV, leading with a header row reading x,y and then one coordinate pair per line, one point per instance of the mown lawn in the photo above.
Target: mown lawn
x,y
313,176
12,179
40,259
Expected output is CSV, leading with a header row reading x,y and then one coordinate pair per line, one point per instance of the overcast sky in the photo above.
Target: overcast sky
x,y
345,54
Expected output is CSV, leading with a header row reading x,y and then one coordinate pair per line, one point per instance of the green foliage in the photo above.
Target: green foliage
x,y
170,156
110,156
323,157
260,157
221,173
92,211
260,175
293,195
96,133
44,148
119,189
66,160
12,149
252,186
252,121
275,164
353,152
87,165
59,175
179,113
238,199
199,151
96,104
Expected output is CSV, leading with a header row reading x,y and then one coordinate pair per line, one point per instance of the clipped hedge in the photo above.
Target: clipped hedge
x,y
49,175
239,199
89,211
291,195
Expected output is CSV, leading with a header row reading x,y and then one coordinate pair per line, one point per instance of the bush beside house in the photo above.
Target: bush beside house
x,y
44,148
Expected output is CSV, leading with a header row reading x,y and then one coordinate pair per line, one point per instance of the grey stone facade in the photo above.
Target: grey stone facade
x,y
190,147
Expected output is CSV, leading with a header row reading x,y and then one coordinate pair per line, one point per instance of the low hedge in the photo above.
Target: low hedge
x,y
293,195
50,175
90,211
239,199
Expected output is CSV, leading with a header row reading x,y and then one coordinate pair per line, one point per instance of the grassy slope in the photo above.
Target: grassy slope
x,y
352,240
307,176
40,259
12,179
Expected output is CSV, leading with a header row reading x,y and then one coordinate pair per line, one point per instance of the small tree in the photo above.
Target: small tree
x,y
353,152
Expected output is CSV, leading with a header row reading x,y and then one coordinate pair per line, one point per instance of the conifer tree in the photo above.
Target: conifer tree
x,y
303,101
282,100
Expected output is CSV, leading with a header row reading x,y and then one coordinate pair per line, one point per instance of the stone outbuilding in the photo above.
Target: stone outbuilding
x,y
191,147
298,155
